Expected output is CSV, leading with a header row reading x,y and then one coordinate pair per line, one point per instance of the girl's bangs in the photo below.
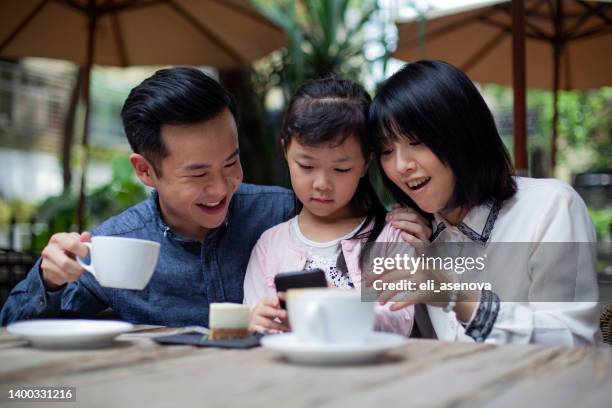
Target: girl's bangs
x,y
332,138
328,122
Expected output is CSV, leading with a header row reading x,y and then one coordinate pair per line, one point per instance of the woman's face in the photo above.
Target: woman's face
x,y
418,172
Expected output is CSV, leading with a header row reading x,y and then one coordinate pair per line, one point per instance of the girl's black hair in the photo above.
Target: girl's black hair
x,y
329,110
436,104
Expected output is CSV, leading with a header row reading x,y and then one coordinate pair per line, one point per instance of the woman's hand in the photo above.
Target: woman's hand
x,y
415,229
422,290
268,317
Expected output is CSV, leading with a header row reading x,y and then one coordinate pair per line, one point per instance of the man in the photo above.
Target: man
x,y
181,126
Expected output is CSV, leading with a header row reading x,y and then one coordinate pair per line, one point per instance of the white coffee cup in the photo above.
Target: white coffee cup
x,y
329,315
119,262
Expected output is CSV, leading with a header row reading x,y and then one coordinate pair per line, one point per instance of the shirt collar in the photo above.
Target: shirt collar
x,y
477,225
167,231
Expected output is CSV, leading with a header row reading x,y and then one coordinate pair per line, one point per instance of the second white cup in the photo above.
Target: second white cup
x,y
329,315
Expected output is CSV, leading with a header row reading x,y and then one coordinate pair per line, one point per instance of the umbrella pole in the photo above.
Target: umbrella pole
x,y
86,96
518,88
558,49
85,153
68,135
555,119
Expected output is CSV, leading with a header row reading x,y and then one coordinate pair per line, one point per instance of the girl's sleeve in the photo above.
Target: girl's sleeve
x,y
400,321
258,281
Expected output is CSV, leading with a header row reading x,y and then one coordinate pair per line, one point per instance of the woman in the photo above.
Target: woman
x,y
441,153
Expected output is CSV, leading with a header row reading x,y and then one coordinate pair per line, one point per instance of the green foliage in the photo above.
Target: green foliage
x,y
17,211
323,37
585,126
585,119
602,220
58,214
120,193
584,130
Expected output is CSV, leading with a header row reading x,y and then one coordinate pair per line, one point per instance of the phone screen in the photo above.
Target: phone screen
x,y
314,278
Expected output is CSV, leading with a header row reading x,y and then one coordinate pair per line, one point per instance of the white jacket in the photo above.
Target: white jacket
x,y
542,211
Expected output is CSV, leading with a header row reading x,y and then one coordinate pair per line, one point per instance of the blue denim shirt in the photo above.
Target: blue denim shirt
x,y
189,274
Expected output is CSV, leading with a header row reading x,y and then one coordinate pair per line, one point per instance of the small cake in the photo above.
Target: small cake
x,y
228,321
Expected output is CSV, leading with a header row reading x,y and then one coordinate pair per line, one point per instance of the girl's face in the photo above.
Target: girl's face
x,y
418,172
325,177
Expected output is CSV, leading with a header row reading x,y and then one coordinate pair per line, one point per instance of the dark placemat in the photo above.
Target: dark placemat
x,y
200,340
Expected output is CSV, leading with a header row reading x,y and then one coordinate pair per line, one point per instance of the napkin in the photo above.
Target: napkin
x,y
197,339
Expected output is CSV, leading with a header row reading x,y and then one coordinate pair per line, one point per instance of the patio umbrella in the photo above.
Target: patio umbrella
x,y
219,33
567,45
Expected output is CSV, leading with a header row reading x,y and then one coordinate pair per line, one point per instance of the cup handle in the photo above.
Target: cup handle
x,y
88,267
315,318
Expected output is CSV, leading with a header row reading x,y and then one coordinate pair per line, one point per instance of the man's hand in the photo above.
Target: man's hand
x,y
267,316
58,258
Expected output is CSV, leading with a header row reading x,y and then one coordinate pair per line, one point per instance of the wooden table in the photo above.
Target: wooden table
x,y
137,372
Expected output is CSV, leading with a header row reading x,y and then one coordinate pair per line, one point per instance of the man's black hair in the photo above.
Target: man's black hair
x,y
179,95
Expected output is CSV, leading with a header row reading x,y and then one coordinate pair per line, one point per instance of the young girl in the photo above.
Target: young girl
x,y
327,147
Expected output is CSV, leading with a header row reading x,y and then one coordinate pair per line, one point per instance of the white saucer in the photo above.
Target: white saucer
x,y
367,351
67,334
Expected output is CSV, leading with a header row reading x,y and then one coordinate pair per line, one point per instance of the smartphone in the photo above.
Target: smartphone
x,y
314,278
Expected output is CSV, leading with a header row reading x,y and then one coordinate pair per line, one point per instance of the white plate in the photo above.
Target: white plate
x,y
367,351
67,334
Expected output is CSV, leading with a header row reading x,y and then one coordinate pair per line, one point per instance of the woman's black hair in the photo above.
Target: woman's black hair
x,y
436,104
327,111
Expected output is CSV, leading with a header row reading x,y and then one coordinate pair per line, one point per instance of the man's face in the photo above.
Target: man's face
x,y
200,174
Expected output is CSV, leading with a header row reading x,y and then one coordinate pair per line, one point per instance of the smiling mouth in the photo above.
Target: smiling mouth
x,y
212,205
419,183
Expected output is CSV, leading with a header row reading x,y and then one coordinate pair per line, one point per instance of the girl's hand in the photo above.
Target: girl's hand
x,y
415,228
268,317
